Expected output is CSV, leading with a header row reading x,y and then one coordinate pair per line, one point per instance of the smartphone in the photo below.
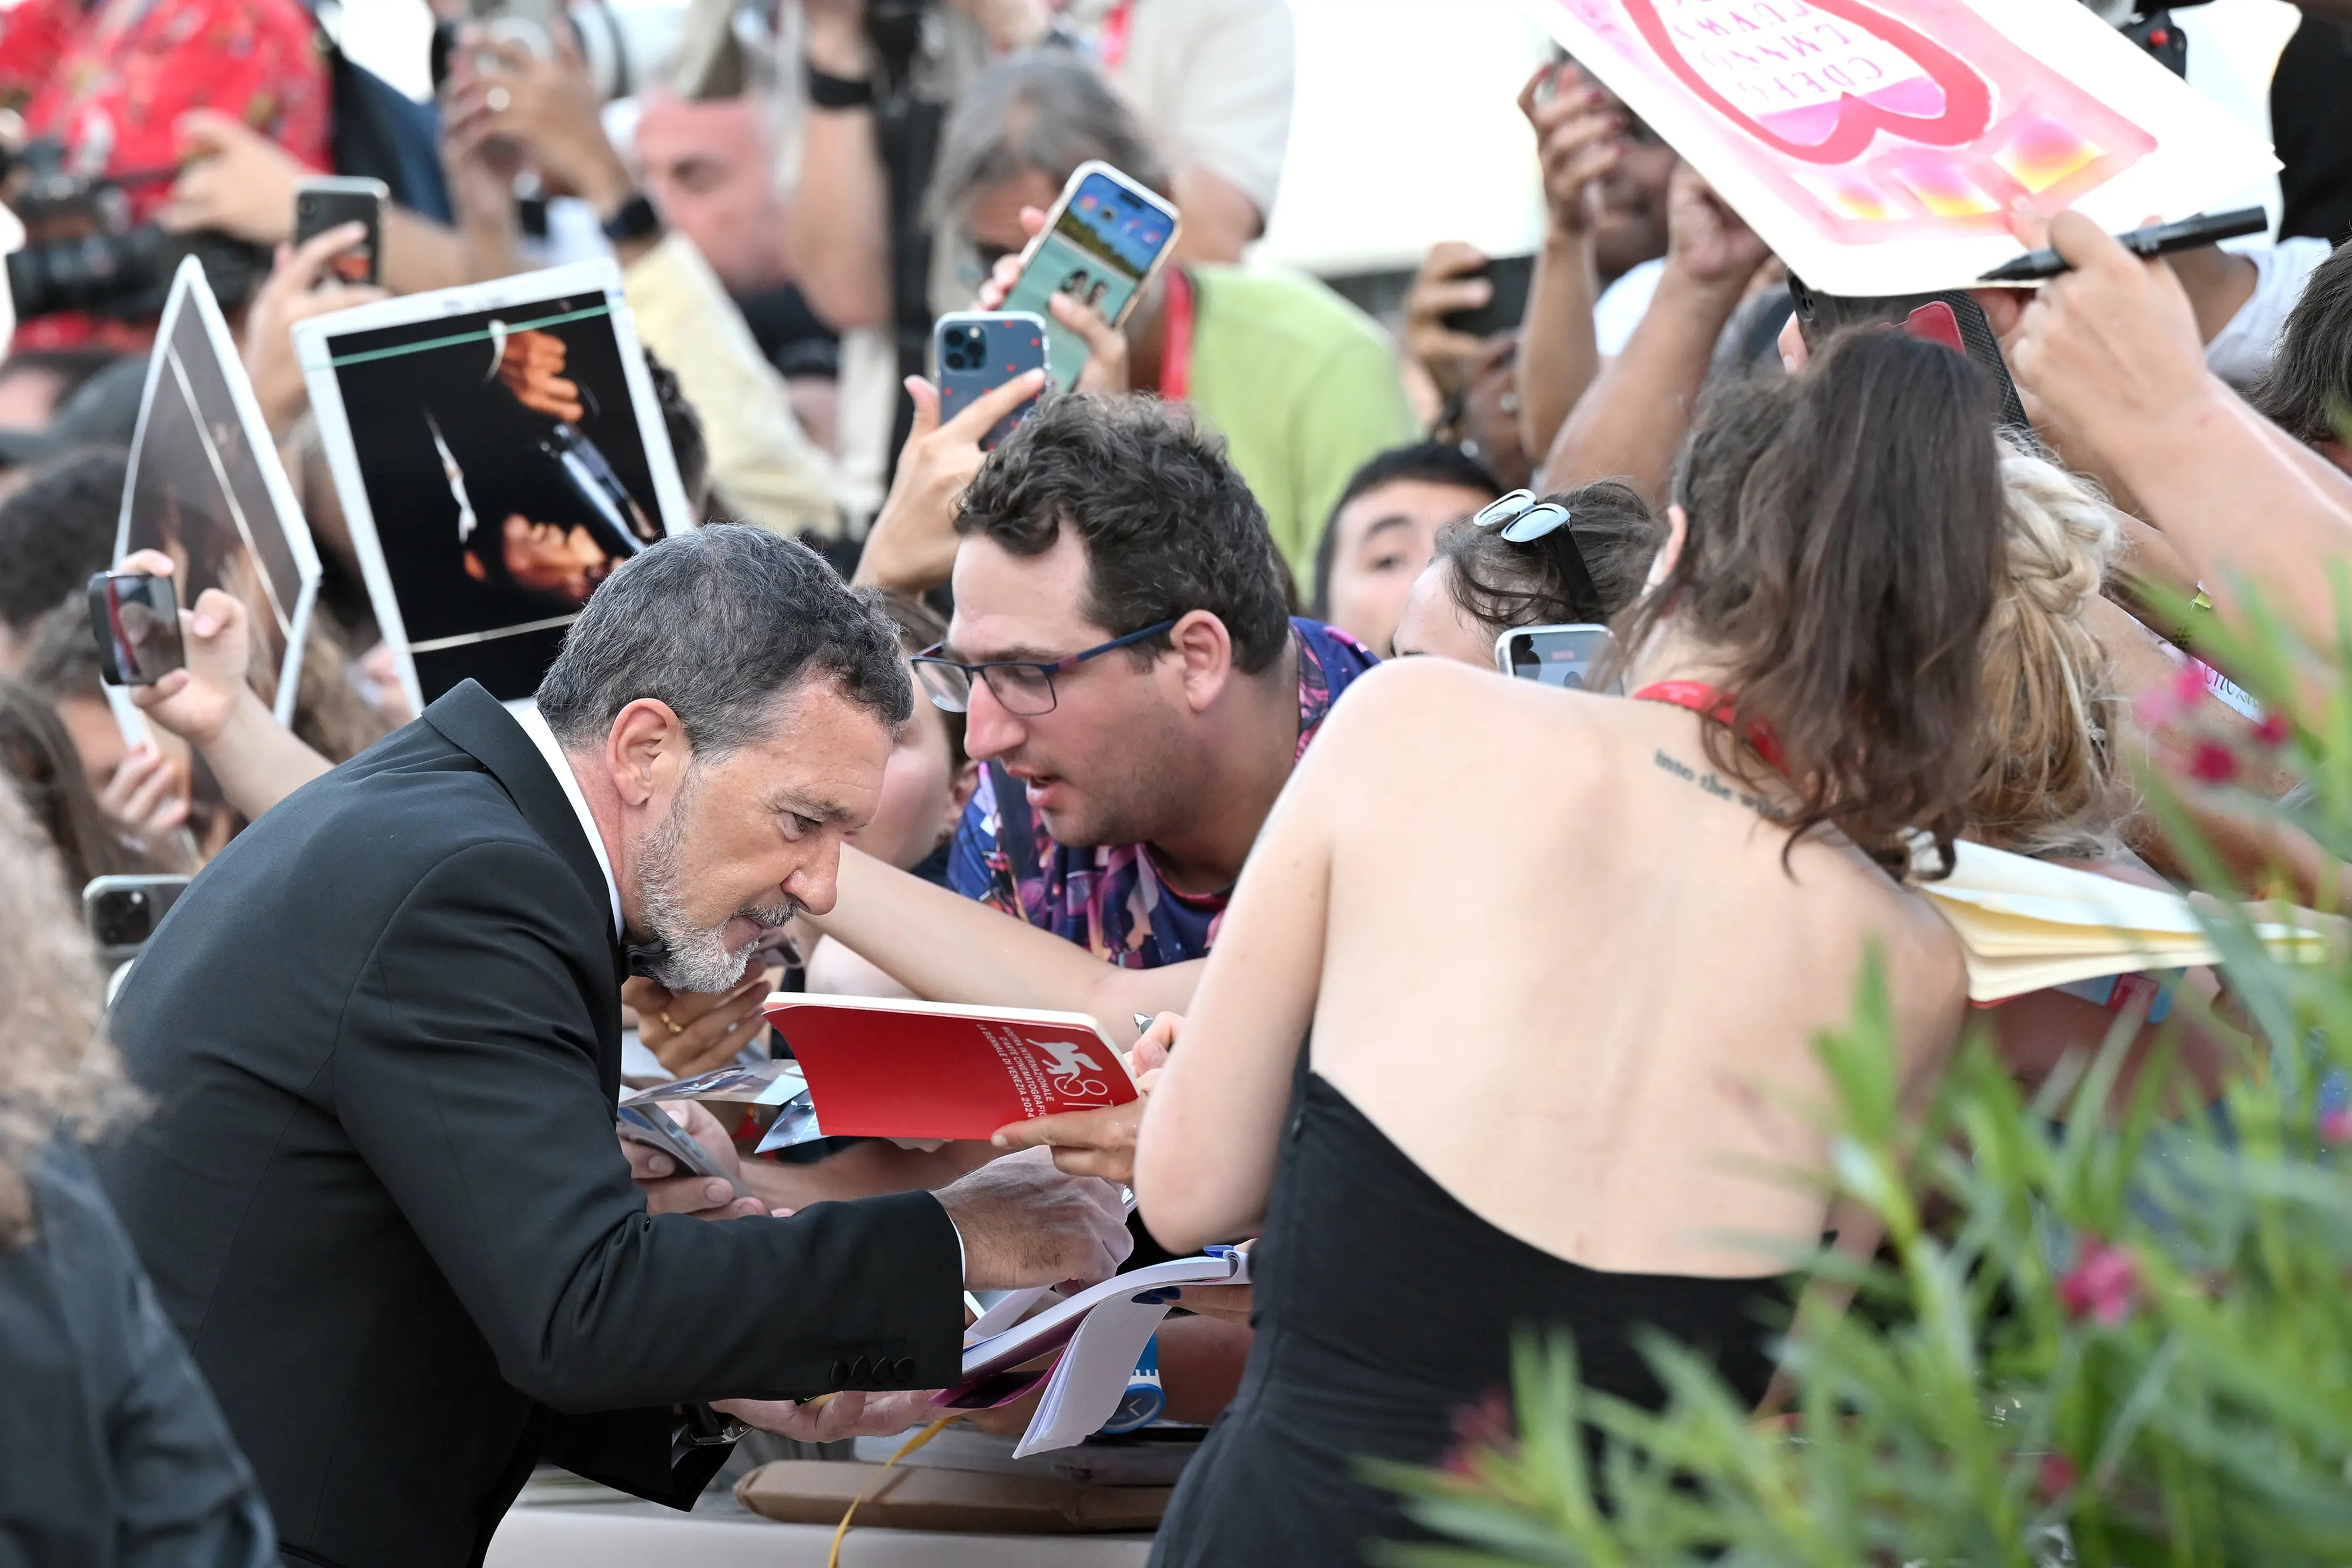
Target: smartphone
x,y
1961,324
652,1125
123,912
977,353
1105,239
1511,275
324,203
1553,655
136,618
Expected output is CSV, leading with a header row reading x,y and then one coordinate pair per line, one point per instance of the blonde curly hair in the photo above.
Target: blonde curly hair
x,y
2047,782
56,1071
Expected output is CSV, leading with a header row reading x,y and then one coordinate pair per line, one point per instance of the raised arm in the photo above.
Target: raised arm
x,y
1630,421
1579,140
1205,1158
839,233
2111,351
948,949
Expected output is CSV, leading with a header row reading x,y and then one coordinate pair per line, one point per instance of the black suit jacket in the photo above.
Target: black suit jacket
x,y
381,1195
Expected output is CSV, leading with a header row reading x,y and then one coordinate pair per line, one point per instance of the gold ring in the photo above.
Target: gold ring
x,y
670,1023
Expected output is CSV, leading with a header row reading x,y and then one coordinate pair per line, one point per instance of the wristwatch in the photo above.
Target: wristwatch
x,y
826,90
634,220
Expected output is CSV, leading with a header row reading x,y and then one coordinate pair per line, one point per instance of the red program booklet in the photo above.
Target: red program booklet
x,y
899,1068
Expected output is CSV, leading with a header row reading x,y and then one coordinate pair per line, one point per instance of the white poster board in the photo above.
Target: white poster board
x,y
1877,145
498,450
206,488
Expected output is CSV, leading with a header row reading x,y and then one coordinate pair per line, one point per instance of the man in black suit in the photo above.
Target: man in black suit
x,y
381,1195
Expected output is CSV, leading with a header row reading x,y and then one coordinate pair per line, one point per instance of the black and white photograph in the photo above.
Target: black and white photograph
x,y
207,488
498,450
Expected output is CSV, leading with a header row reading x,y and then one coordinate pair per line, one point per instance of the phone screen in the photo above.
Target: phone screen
x,y
141,623
1556,656
1097,252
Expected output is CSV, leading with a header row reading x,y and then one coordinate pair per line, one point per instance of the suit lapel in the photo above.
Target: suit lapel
x,y
476,723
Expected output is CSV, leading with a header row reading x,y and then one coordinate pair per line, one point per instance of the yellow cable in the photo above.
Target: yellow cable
x,y
833,1558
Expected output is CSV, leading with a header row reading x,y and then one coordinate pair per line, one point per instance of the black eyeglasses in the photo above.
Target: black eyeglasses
x,y
1523,520
1025,686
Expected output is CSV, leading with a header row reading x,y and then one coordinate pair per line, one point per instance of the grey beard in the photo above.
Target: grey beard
x,y
684,956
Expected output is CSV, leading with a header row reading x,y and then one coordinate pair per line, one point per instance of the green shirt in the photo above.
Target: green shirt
x,y
1304,388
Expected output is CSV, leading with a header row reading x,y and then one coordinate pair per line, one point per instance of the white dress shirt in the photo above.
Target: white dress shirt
x,y
527,715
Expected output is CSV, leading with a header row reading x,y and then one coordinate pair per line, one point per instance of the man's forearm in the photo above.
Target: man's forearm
x,y
837,233
420,255
1559,356
865,1170
945,947
1630,421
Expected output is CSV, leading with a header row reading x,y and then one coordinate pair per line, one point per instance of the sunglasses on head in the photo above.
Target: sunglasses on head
x,y
1525,520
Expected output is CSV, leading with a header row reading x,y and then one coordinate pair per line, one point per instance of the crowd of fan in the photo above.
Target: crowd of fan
x,y
1615,918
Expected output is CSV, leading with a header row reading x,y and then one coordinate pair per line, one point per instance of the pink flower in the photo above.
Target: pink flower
x,y
2159,705
2274,731
2335,1126
2055,1477
1477,1429
2104,1283
2213,763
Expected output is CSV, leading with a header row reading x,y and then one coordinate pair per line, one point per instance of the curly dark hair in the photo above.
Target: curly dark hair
x,y
1168,524
1501,585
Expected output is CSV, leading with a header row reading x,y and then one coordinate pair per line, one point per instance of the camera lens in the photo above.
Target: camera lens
x,y
124,920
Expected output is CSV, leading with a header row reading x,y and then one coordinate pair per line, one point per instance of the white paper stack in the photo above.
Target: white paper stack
x,y
1102,1331
2027,925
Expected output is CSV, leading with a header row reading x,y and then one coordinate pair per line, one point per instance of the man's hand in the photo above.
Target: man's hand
x,y
548,108
833,1417
1024,1223
1100,1142
912,547
704,1197
294,292
195,701
1579,139
530,364
1706,243
1441,287
232,178
2110,349
694,1031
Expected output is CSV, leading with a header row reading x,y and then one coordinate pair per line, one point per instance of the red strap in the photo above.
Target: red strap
x,y
1708,702
1176,352
1111,45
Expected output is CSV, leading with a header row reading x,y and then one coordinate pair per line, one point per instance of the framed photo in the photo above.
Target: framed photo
x,y
499,451
207,488
1877,145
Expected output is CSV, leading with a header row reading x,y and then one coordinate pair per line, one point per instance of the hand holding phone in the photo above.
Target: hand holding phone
x,y
978,351
135,616
1105,241
324,203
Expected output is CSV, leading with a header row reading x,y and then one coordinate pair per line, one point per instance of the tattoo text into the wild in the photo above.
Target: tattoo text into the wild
x,y
1717,788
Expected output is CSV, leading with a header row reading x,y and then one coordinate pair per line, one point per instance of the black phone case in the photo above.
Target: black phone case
x,y
1512,276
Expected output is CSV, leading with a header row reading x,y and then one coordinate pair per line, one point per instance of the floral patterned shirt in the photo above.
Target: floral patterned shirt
x,y
1111,899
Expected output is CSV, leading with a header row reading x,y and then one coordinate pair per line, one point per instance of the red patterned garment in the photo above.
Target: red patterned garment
x,y
116,81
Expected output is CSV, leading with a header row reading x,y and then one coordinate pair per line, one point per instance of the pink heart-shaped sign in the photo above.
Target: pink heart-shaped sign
x,y
1816,79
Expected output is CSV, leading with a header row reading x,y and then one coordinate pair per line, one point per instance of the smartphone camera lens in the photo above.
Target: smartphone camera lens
x,y
124,920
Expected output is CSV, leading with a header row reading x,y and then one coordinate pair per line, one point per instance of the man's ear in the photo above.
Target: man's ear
x,y
961,785
1206,650
646,753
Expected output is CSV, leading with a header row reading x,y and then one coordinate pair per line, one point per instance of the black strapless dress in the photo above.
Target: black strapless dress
x,y
1384,1309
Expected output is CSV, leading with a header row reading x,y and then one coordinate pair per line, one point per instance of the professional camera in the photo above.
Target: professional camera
x,y
84,252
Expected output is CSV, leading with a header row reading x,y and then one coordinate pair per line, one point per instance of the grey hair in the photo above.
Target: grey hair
x,y
1045,109
720,623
